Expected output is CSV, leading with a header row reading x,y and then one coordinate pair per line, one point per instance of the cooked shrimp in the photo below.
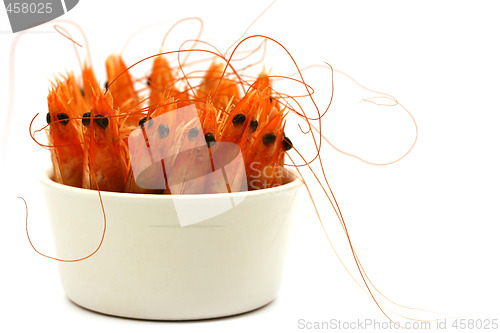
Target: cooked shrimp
x,y
65,137
161,81
106,154
89,84
221,90
149,144
125,97
245,116
261,158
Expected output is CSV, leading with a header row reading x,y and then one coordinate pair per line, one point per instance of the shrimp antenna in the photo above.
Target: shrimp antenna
x,y
248,28
12,65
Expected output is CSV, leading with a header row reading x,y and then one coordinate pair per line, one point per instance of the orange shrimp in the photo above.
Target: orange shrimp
x,y
148,145
160,81
125,97
263,156
65,137
72,95
189,148
145,175
89,84
208,115
245,115
106,154
221,90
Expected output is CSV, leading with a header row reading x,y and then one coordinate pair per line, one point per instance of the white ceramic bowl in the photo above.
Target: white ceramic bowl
x,y
150,267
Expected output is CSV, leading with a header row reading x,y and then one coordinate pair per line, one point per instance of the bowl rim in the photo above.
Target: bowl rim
x,y
46,180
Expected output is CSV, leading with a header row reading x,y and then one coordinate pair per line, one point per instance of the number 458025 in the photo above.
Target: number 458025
x,y
475,324
32,8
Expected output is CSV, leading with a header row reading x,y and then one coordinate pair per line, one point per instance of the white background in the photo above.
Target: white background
x,y
425,228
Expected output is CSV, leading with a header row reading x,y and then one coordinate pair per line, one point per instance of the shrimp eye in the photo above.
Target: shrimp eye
x,y
49,120
148,81
210,139
287,143
143,121
163,131
106,85
239,119
268,139
193,133
86,119
270,99
253,125
102,121
63,117
82,91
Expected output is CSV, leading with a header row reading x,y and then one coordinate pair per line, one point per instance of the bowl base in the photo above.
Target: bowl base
x,y
168,318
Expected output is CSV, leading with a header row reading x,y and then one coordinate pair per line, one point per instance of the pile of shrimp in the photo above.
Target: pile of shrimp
x,y
89,127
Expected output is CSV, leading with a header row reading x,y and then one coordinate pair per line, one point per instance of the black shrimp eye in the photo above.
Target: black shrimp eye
x,y
102,121
253,125
287,143
49,120
210,139
148,81
163,131
143,121
86,119
106,85
239,119
268,139
82,91
63,117
270,99
193,133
